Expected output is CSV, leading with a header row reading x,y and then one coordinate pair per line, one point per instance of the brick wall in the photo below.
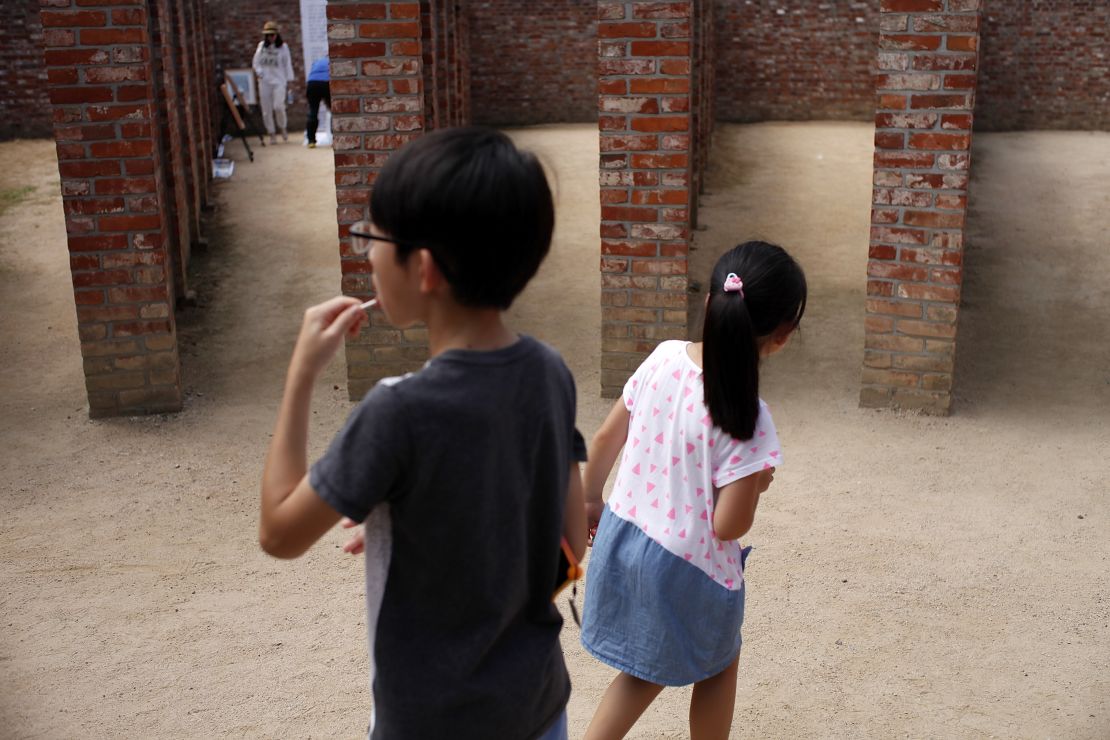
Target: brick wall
x,y
24,104
383,95
123,80
102,87
647,54
792,60
795,59
702,96
182,69
928,60
236,29
533,62
444,35
1045,65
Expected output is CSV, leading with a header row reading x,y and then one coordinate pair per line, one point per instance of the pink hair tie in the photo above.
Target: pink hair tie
x,y
733,284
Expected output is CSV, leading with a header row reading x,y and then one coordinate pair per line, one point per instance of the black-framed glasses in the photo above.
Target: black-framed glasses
x,y
361,239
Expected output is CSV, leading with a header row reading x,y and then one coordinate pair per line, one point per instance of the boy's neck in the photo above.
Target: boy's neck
x,y
451,326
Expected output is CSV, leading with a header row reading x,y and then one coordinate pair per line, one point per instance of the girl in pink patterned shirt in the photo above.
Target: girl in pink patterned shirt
x,y
665,587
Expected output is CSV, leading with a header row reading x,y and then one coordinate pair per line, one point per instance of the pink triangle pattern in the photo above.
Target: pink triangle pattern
x,y
669,415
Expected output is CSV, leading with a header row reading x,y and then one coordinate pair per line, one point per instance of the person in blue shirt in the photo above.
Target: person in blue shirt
x,y
319,91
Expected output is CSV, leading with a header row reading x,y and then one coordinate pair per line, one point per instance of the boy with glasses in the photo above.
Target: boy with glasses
x,y
465,472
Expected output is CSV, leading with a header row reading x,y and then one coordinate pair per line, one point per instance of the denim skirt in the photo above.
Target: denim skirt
x,y
651,614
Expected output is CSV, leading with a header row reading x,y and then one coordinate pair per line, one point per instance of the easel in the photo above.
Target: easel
x,y
233,95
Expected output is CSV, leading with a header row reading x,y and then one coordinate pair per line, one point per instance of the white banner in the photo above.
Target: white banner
x,y
314,41
314,31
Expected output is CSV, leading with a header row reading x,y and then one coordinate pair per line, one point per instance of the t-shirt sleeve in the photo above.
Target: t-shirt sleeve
x,y
578,446
734,459
577,441
363,464
634,386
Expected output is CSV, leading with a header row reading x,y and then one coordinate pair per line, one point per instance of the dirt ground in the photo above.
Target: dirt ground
x,y
912,576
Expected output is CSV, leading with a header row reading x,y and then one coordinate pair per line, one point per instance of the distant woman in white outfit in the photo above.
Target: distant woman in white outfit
x,y
273,64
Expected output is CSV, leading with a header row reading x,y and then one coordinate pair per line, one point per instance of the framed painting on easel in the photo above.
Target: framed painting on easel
x,y
244,85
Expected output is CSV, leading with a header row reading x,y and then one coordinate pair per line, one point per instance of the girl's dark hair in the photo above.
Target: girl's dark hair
x,y
773,296
277,41
481,206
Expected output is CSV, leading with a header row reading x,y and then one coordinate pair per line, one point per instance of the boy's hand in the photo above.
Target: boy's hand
x,y
357,543
594,510
322,332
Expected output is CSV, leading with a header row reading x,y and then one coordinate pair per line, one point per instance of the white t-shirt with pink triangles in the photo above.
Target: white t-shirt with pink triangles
x,y
675,457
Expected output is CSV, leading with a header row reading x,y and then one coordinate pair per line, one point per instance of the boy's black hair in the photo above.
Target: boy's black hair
x,y
481,206
773,296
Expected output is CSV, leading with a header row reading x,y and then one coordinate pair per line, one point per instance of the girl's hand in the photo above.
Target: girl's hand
x,y
322,332
766,478
593,517
357,543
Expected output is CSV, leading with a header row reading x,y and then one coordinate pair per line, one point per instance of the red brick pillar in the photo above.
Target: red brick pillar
x,y
99,66
702,98
927,75
645,82
443,101
172,107
377,90
182,34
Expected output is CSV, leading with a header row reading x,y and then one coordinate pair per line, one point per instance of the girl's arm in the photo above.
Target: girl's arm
x,y
574,525
254,60
604,449
736,504
288,58
293,516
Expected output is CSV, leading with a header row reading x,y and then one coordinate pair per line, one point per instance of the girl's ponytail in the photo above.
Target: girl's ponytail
x,y
755,289
730,362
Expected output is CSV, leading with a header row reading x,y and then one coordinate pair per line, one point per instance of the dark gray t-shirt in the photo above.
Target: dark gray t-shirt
x,y
461,471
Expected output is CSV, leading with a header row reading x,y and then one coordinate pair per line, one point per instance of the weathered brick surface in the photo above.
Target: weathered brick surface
x,y
1045,65
24,104
125,156
236,29
384,95
655,104
795,59
446,52
533,62
175,96
926,85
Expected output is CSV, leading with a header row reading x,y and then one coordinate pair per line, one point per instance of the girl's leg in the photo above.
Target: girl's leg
x,y
712,704
623,703
279,110
266,102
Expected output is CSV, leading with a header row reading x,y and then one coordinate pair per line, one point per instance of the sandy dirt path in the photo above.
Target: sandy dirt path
x,y
913,577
